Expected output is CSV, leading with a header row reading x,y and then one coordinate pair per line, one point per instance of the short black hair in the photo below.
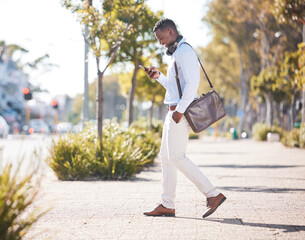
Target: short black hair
x,y
165,23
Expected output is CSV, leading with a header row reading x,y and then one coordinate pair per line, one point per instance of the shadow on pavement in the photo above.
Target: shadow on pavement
x,y
239,221
261,189
141,179
249,166
190,218
216,153
258,176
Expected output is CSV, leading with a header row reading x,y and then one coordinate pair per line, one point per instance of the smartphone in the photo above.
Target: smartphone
x,y
145,68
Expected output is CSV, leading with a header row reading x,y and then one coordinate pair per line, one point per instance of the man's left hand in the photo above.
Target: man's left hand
x,y
177,116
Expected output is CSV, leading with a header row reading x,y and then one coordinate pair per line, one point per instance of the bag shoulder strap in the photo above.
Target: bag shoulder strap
x,y
178,81
177,77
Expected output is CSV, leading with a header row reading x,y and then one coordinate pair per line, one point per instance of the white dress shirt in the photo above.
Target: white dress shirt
x,y
189,76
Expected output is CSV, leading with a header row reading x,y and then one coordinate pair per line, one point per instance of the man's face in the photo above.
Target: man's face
x,y
165,36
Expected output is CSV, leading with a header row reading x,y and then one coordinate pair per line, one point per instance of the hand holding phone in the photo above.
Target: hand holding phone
x,y
152,72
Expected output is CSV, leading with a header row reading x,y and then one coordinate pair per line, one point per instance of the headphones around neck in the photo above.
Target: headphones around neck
x,y
172,47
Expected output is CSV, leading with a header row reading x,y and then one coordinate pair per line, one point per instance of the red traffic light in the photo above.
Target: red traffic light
x,y
54,104
26,90
27,95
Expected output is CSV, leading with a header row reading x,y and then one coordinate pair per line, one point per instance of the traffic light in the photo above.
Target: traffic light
x,y
27,95
54,104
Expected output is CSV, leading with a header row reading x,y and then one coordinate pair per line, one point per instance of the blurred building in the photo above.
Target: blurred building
x,y
12,104
64,106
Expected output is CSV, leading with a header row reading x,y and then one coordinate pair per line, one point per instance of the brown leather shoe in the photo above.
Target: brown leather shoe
x,y
161,211
213,203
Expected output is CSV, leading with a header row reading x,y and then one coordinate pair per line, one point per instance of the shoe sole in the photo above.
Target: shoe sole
x,y
221,201
163,215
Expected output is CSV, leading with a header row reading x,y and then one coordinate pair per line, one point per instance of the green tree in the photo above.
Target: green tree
x,y
251,30
106,29
292,78
270,86
137,47
147,89
292,10
232,26
286,10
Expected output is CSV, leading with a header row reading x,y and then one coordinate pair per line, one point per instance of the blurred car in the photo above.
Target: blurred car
x,y
64,127
4,128
36,126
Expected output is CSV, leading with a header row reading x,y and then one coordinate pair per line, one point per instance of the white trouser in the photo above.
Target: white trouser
x,y
172,153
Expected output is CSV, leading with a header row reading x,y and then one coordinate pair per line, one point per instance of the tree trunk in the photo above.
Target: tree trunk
x,y
132,93
151,111
292,107
100,101
265,45
243,91
277,114
269,109
262,112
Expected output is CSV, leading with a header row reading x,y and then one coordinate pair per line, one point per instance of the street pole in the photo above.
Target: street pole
x,y
27,114
55,120
86,94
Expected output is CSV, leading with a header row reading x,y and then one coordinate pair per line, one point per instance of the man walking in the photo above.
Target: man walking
x,y
176,128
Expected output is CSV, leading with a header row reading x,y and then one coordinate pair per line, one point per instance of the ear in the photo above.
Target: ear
x,y
170,31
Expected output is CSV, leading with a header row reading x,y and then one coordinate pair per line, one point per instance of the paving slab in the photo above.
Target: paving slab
x,y
264,184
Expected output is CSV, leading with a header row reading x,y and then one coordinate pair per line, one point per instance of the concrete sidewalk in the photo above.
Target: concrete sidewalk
x,y
264,184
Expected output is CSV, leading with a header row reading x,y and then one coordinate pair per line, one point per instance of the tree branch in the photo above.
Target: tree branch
x,y
115,49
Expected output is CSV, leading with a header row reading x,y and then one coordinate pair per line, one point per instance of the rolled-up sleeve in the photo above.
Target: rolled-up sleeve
x,y
188,61
163,80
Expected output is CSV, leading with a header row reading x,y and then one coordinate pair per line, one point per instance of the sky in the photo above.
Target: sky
x,y
46,27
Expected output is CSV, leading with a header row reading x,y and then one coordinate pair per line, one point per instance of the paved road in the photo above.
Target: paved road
x,y
21,149
264,184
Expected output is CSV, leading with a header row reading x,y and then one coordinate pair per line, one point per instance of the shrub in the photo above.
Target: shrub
x,y
295,137
292,138
142,124
71,156
260,131
125,152
16,196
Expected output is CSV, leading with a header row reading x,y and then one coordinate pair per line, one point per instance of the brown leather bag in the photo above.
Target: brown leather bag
x,y
204,111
